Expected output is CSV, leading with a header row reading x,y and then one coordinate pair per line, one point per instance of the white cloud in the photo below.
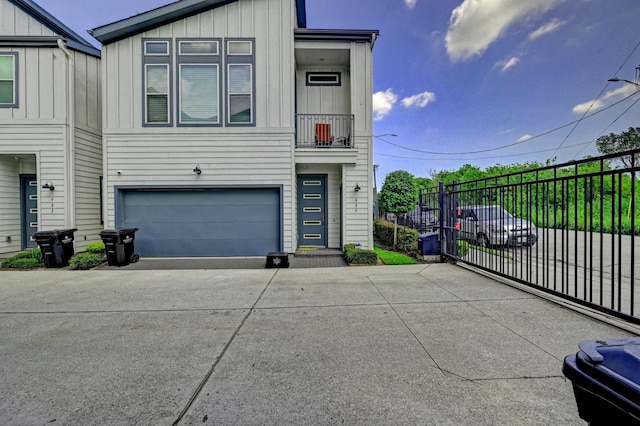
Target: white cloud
x,y
475,24
510,63
420,100
410,3
547,28
524,138
605,100
383,103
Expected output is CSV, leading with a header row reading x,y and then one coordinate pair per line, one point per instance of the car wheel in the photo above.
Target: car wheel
x,y
483,241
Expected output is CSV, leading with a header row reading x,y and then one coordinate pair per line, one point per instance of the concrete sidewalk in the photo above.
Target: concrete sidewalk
x,y
422,344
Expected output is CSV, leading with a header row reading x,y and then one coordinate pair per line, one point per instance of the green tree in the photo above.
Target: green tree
x,y
625,141
398,196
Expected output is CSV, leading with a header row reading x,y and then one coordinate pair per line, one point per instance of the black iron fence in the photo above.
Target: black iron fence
x,y
571,229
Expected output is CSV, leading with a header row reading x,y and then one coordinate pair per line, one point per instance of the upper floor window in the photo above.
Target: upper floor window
x,y
240,82
8,80
157,82
198,96
199,82
323,79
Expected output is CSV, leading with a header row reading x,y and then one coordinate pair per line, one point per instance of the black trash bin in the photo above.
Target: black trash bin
x,y
606,381
118,244
56,246
428,244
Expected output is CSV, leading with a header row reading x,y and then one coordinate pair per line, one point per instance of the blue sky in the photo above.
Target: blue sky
x,y
479,82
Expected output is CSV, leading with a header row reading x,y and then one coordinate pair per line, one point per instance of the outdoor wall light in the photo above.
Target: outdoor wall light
x,y
48,185
357,188
197,170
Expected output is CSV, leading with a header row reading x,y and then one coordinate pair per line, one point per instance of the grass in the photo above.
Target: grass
x,y
393,258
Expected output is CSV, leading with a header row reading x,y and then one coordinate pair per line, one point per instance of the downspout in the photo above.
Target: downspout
x,y
70,145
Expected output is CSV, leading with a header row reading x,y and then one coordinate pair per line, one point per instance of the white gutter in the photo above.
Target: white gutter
x,y
70,145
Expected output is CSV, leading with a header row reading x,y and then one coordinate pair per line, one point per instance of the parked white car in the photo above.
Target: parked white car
x,y
494,226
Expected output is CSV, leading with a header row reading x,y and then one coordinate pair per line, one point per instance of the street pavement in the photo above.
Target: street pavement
x,y
429,344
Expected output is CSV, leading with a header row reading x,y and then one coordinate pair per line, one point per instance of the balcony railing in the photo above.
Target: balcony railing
x,y
324,131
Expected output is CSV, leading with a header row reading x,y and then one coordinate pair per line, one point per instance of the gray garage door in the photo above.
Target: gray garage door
x,y
212,222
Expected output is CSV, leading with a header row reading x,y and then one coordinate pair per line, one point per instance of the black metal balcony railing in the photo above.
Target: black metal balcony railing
x,y
324,131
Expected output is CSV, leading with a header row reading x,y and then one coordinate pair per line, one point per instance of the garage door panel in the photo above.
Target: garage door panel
x,y
229,222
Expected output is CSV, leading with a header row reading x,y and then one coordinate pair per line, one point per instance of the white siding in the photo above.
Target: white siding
x,y
9,205
16,22
245,156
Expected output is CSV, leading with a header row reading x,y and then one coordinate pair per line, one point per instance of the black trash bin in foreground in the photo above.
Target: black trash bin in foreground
x,y
56,246
118,244
606,381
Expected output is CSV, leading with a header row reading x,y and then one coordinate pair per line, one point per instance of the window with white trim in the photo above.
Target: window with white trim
x,y
240,85
8,80
157,82
199,82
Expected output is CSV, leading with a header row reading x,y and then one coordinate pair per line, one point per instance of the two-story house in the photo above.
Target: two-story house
x,y
50,128
231,129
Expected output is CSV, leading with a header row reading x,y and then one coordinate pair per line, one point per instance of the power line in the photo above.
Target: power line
x,y
596,100
485,158
511,144
607,128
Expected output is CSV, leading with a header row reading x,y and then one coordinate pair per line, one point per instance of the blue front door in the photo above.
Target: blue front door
x,y
29,209
312,211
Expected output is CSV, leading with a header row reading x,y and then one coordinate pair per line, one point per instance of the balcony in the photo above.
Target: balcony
x,y
324,131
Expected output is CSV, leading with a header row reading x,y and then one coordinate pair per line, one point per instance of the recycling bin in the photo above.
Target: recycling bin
x,y
428,244
56,246
606,381
118,244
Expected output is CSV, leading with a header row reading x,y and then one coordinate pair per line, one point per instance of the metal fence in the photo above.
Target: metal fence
x,y
571,229
324,131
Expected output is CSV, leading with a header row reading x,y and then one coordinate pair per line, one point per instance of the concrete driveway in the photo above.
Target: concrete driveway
x,y
422,344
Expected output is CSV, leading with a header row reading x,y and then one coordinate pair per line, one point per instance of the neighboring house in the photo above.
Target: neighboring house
x,y
230,129
50,128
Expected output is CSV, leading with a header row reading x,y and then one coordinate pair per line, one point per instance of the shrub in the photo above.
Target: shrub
x,y
407,237
86,260
20,263
96,248
358,256
27,259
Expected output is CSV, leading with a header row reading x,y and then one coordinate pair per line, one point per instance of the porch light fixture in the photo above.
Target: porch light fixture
x,y
197,170
357,188
48,185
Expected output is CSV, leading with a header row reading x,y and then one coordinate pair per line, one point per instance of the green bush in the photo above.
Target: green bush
x,y
27,259
96,248
359,256
86,260
407,237
20,263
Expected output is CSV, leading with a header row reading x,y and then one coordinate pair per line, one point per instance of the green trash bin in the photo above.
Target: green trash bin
x,y
56,246
119,246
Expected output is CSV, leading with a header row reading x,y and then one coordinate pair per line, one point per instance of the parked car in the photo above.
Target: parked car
x,y
494,226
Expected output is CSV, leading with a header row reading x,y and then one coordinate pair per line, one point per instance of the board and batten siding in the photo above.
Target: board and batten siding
x,y
358,211
270,22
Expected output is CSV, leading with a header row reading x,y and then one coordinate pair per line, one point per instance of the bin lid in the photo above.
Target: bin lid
x,y
614,363
117,232
54,232
428,235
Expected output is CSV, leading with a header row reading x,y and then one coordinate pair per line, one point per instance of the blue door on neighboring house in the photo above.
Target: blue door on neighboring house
x,y
29,209
312,211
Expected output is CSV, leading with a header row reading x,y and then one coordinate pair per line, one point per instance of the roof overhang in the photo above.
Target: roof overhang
x,y
337,35
164,15
72,39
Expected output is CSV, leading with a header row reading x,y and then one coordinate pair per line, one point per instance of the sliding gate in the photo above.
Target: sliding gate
x,y
583,217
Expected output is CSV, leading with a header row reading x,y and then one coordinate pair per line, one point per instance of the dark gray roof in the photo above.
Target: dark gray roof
x,y
166,14
73,40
